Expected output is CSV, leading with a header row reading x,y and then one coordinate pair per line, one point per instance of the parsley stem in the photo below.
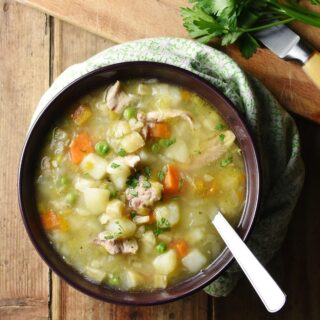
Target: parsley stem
x,y
266,26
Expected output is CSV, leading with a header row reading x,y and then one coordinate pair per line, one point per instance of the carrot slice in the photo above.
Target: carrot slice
x,y
152,218
185,95
180,246
159,130
50,220
171,180
80,146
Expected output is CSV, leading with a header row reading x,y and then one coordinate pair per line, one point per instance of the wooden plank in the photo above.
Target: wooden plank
x,y
127,20
286,80
296,266
116,20
72,45
24,48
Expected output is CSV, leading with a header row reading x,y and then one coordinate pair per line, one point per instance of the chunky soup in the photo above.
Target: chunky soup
x,y
127,182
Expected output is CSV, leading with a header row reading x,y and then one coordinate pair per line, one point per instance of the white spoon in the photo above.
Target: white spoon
x,y
269,292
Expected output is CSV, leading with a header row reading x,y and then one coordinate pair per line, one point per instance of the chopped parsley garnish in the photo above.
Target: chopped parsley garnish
x,y
146,184
163,223
134,193
158,231
220,126
226,162
132,182
147,171
133,214
108,237
122,152
162,143
113,193
221,137
115,165
161,175
165,143
120,229
181,183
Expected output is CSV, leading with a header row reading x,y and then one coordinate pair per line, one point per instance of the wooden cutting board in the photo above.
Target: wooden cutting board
x,y
125,20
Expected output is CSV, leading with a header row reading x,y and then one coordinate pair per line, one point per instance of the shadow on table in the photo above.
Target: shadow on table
x,y
296,267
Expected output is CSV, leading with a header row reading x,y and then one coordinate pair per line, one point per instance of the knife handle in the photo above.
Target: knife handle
x,y
312,68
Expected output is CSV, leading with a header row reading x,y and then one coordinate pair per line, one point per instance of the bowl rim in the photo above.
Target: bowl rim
x,y
226,255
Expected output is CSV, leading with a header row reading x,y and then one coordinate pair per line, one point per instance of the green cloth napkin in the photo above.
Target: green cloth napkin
x,y
275,132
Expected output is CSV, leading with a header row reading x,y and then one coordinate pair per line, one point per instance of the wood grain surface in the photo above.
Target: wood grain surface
x,y
24,68
34,49
127,20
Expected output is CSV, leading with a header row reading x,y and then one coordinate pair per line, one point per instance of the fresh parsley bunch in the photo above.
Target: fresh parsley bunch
x,y
235,20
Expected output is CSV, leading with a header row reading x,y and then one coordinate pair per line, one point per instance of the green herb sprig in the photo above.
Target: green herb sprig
x,y
235,20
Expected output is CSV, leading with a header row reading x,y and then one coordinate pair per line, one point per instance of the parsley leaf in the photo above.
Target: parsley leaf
x,y
221,137
132,182
161,175
122,152
165,143
248,45
115,165
226,162
162,143
220,126
134,193
147,171
146,184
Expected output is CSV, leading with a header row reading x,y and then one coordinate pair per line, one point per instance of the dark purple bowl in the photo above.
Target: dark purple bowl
x,y
57,107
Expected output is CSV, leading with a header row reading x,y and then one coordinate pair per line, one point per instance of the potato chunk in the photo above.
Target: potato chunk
x,y
119,173
120,228
132,279
167,214
115,208
178,151
194,260
96,274
94,165
96,199
166,262
132,142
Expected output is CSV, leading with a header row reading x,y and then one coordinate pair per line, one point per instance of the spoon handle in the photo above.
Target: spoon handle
x,y
269,292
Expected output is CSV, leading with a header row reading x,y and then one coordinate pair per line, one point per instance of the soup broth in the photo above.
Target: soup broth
x,y
128,180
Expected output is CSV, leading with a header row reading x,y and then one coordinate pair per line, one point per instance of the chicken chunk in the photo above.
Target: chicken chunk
x,y
145,194
117,99
159,116
214,149
115,246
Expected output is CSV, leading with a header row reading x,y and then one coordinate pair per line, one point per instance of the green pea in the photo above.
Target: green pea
x,y
130,113
64,180
161,247
115,280
102,148
71,197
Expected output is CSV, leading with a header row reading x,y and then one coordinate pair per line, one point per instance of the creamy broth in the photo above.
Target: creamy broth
x,y
127,182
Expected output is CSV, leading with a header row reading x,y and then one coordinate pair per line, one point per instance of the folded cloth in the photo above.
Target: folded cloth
x,y
275,132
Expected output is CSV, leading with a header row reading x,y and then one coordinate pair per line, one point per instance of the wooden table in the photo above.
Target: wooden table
x,y
34,49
